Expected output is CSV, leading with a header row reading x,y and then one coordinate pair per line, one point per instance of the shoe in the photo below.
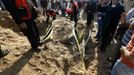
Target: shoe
x,y
3,53
41,43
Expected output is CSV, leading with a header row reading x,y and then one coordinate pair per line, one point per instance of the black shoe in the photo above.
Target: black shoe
x,y
3,53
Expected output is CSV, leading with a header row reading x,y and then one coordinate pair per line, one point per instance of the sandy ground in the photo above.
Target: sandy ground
x,y
57,57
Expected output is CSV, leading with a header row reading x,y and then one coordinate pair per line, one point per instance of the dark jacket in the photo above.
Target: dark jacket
x,y
100,8
113,14
91,7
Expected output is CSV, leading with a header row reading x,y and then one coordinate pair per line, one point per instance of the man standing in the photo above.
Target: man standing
x,y
125,65
27,26
90,9
74,14
51,10
101,8
113,14
44,5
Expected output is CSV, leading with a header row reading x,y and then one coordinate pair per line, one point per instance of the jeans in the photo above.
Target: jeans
x,y
121,69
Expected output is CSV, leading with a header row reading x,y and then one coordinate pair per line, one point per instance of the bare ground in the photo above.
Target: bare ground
x,y
56,58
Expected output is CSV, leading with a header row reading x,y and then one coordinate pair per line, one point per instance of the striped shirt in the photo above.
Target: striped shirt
x,y
130,15
127,36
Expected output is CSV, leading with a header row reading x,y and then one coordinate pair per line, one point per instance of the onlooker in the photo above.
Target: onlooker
x,y
63,8
80,6
123,42
110,22
101,8
51,10
125,22
68,9
125,65
90,12
44,5
124,33
74,14
24,14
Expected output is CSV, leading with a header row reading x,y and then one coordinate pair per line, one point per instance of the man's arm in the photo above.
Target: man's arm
x,y
127,54
128,51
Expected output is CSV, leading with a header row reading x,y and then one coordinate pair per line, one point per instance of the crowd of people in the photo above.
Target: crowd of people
x,y
113,23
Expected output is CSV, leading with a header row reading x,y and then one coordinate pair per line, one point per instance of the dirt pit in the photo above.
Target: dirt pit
x,y
56,58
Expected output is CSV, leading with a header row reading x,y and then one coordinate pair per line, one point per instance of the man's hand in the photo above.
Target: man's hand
x,y
122,48
127,54
124,51
22,26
